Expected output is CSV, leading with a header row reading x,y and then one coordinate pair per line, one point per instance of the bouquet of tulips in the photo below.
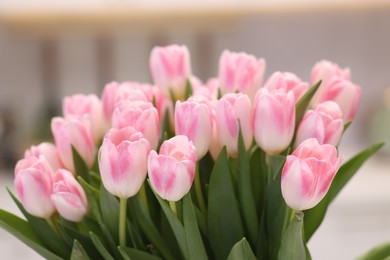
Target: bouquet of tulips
x,y
230,169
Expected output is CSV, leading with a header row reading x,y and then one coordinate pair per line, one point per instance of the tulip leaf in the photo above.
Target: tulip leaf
x,y
346,126
245,192
195,245
315,215
100,246
304,102
292,246
381,251
241,250
188,90
148,227
80,166
23,231
131,253
176,225
223,216
258,178
110,212
43,230
78,252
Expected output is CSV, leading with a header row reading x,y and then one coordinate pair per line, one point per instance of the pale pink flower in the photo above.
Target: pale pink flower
x,y
171,172
33,184
123,161
48,150
240,72
68,196
274,120
324,123
308,174
288,82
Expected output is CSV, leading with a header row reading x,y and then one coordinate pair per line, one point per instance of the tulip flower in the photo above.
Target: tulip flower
x,y
327,71
233,111
274,120
143,116
89,106
308,174
193,119
122,161
288,82
49,151
240,72
170,67
324,123
33,184
69,132
68,196
171,172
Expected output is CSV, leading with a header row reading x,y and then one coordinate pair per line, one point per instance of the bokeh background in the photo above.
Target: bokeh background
x,y
52,49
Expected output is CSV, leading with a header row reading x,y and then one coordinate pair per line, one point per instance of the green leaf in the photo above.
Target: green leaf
x,y
245,193
188,90
304,102
110,212
78,252
100,247
315,215
22,230
131,253
176,225
195,245
42,229
347,125
223,216
80,166
241,250
378,252
148,227
292,246
258,179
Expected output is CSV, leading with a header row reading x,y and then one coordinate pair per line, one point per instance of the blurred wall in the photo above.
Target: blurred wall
x,y
289,41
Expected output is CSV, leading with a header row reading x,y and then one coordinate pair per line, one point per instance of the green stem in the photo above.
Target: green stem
x,y
51,223
198,190
143,197
172,204
122,222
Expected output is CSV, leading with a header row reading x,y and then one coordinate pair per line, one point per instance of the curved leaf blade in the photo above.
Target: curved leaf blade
x,y
241,250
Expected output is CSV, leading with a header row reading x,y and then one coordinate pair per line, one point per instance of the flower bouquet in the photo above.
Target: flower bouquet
x,y
230,169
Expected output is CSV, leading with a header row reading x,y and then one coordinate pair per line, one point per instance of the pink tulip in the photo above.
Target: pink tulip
x,y
89,106
143,116
49,151
122,161
288,82
308,174
327,71
74,132
193,119
170,67
171,172
324,123
33,184
68,196
274,120
215,145
240,72
233,111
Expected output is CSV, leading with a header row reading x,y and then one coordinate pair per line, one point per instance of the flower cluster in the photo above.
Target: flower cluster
x,y
223,136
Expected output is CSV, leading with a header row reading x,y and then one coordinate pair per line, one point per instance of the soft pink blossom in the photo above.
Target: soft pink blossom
x,y
122,161
48,150
288,82
68,196
171,172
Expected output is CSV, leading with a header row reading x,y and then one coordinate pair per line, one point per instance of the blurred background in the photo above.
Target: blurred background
x,y
52,49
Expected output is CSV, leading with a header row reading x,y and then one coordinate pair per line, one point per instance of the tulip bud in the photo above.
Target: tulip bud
x,y
233,111
143,116
171,172
240,72
288,82
308,174
74,132
193,119
170,67
68,196
323,123
89,106
122,161
49,151
327,71
274,120
33,184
